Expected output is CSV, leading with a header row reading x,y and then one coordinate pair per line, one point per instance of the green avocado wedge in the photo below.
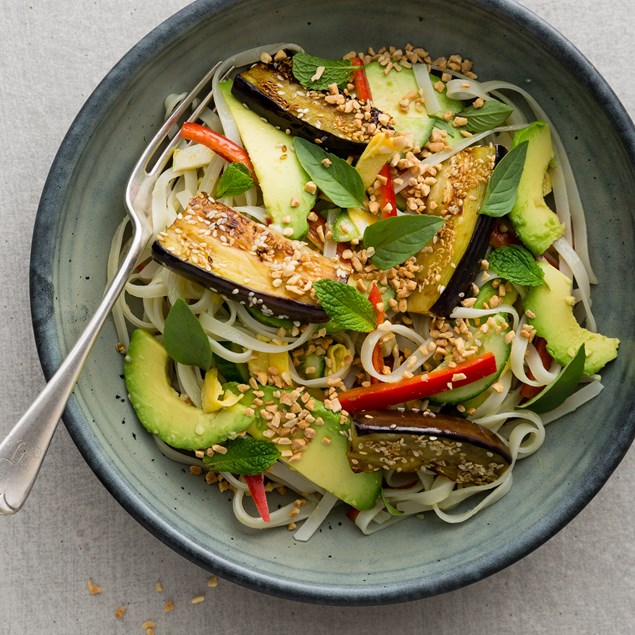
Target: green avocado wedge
x,y
562,387
550,306
161,410
535,223
324,460
280,175
389,90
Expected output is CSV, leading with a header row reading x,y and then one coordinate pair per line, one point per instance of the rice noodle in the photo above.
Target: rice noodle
x,y
580,274
317,517
279,518
412,363
323,382
427,89
577,399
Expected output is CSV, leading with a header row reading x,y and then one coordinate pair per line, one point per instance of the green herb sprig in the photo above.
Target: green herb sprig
x,y
305,66
502,189
517,265
244,456
397,238
235,180
346,306
184,338
489,116
336,178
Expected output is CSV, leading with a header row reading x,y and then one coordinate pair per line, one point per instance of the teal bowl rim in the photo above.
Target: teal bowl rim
x,y
42,293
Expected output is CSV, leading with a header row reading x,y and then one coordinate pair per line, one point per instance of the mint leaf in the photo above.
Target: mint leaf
x,y
184,338
235,180
346,306
502,189
305,67
397,238
337,179
441,124
244,456
516,264
490,115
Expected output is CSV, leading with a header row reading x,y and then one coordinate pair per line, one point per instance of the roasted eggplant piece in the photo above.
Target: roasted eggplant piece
x,y
466,270
272,91
408,441
450,263
220,248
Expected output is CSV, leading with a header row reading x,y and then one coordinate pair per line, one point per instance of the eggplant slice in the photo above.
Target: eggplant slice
x,y
449,265
272,91
221,249
408,441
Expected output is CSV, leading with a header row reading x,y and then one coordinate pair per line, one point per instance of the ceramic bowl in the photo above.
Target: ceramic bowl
x,y
83,202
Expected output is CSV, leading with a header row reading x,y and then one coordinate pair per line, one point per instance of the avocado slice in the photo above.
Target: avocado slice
x,y
324,460
162,412
388,90
551,304
280,175
160,408
535,223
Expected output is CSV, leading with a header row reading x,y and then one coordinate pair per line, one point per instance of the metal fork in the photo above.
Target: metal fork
x,y
23,450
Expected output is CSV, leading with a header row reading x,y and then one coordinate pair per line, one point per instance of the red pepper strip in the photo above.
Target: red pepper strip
x,y
528,391
387,194
256,487
380,396
362,87
220,144
378,304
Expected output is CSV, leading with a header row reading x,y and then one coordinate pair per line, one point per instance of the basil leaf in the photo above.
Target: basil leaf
x,y
339,181
346,306
397,238
502,189
244,456
184,338
305,67
490,115
561,388
235,180
516,264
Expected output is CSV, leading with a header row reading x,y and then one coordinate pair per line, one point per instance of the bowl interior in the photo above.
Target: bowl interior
x,y
83,202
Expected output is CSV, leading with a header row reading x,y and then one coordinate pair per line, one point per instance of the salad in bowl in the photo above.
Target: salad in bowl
x,y
369,285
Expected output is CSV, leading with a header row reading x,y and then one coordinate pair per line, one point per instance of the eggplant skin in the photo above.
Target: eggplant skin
x,y
466,270
271,91
219,248
408,441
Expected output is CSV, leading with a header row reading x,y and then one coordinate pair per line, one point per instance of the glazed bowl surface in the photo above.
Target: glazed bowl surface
x,y
83,202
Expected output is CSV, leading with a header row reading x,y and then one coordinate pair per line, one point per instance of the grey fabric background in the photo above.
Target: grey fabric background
x,y
52,55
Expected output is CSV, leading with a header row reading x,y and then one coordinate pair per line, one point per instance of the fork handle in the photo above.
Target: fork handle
x,y
23,450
